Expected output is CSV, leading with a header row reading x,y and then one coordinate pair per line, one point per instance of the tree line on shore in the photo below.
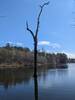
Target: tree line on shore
x,y
19,56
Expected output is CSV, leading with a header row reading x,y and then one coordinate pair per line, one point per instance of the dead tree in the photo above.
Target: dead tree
x,y
35,36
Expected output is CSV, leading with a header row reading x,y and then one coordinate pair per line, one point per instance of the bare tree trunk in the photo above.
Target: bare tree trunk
x,y
35,58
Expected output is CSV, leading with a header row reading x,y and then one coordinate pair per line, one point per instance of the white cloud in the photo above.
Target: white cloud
x,y
10,42
47,43
19,44
44,43
70,55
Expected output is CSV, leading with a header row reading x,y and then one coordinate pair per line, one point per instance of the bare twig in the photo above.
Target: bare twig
x,y
29,30
38,19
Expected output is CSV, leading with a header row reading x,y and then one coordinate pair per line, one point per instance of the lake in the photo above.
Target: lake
x,y
51,84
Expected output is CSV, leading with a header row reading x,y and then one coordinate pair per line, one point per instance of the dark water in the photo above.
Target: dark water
x,y
53,84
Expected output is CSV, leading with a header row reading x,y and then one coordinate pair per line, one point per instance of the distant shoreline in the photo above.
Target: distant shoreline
x,y
19,57
15,66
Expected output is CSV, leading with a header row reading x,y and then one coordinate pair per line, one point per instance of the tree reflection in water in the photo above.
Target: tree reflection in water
x,y
12,77
36,88
24,77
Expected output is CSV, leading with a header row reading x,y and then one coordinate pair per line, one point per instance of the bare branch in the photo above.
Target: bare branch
x,y
44,4
38,19
29,30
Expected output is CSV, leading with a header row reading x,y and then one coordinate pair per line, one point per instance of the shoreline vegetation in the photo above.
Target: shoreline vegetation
x,y
17,66
19,57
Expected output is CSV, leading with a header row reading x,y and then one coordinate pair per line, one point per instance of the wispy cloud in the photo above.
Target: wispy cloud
x,y
55,45
70,55
47,43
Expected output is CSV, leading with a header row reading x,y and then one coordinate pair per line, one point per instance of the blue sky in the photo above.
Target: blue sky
x,y
56,33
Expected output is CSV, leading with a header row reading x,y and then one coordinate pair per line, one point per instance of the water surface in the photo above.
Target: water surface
x,y
53,84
